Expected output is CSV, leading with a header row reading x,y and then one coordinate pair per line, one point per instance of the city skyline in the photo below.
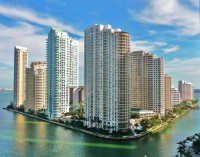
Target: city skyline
x,y
164,32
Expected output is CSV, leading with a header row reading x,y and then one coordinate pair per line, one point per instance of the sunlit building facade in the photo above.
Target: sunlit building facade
x,y
167,92
62,71
175,96
36,86
186,90
20,64
147,82
106,78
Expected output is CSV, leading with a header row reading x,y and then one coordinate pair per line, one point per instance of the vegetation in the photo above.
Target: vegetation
x,y
10,106
190,146
195,101
167,118
20,108
148,123
41,115
77,114
135,115
31,111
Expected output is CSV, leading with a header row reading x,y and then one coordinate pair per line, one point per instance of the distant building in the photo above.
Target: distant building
x,y
175,96
147,82
78,96
62,71
20,64
36,86
167,92
186,90
106,78
6,89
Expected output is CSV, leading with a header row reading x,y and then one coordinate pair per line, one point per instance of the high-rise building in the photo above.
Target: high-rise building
x,y
167,92
106,78
62,71
147,82
20,64
175,96
186,90
36,86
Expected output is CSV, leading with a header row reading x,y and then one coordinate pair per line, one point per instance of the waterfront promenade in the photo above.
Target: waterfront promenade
x,y
97,134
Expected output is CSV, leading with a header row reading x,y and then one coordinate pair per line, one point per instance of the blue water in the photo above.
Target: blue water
x,y
22,136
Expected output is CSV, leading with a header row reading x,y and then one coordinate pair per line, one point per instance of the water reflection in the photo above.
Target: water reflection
x,y
24,136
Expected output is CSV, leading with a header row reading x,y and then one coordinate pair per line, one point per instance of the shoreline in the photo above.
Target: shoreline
x,y
97,134
166,124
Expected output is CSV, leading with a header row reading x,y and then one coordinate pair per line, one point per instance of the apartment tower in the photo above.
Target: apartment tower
x,y
62,71
36,86
20,64
106,78
146,82
186,90
167,92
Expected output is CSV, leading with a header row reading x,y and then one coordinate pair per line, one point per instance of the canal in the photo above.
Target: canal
x,y
23,136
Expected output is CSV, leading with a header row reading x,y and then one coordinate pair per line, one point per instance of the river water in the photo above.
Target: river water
x,y
23,136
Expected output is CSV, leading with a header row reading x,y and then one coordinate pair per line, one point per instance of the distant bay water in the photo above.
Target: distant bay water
x,y
22,136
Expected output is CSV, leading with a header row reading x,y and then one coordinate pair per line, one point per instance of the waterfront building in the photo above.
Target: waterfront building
x,y
20,64
36,86
62,71
147,82
78,96
175,96
106,78
186,90
167,92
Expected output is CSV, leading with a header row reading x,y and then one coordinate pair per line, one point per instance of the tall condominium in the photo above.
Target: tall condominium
x,y
106,78
175,96
147,82
167,92
36,86
62,71
20,64
186,90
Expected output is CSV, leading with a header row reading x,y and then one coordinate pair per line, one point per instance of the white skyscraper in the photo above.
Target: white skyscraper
x,y
106,78
20,64
186,90
62,71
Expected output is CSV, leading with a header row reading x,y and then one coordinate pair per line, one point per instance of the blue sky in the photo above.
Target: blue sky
x,y
169,29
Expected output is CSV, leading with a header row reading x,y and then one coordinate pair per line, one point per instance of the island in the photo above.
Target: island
x,y
143,124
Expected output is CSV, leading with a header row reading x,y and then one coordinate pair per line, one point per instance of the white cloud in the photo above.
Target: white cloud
x,y
195,3
31,16
152,32
145,45
171,49
184,69
23,34
172,13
